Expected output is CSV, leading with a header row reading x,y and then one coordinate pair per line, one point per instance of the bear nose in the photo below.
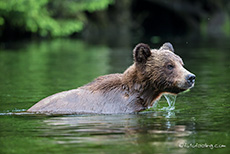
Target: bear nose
x,y
191,79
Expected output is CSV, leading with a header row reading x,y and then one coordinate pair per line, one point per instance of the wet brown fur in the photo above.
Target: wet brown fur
x,y
135,90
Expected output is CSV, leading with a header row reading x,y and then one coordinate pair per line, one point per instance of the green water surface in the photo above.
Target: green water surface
x,y
30,71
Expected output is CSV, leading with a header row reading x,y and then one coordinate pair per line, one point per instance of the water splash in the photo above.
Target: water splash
x,y
171,99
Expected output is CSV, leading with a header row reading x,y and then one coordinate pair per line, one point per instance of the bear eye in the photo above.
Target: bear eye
x,y
170,66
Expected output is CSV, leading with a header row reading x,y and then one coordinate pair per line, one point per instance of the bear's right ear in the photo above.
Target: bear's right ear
x,y
167,46
141,52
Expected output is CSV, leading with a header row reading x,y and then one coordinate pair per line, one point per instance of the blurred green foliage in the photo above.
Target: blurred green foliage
x,y
47,17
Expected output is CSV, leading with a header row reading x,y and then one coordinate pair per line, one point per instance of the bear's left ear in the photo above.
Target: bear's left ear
x,y
141,52
167,46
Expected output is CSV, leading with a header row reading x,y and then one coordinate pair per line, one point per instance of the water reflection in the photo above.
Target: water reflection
x,y
149,128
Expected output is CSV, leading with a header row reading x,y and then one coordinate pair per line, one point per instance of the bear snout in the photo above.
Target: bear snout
x,y
190,79
186,82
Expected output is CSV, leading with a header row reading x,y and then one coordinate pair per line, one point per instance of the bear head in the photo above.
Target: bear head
x,y
162,68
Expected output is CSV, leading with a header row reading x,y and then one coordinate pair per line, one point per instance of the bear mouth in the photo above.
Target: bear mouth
x,y
177,90
184,87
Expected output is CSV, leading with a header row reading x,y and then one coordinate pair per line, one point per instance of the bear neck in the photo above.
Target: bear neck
x,y
136,83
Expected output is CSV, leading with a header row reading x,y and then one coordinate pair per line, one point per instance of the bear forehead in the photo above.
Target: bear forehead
x,y
166,56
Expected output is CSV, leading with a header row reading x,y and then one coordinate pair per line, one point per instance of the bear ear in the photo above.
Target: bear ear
x,y
141,52
167,46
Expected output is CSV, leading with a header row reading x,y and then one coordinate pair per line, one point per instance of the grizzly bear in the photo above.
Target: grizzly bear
x,y
154,72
